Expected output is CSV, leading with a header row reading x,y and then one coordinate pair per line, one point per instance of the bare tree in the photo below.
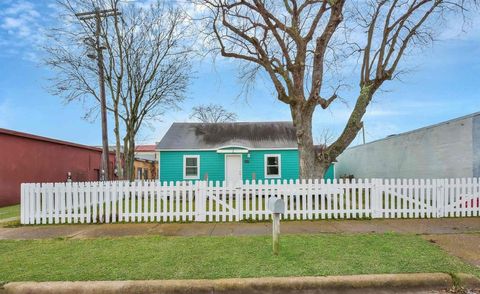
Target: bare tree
x,y
296,42
158,69
325,138
146,65
212,113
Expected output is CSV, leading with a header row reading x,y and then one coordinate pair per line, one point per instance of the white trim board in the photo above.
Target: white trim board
x,y
236,151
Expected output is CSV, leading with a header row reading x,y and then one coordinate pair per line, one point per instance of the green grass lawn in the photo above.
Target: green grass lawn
x,y
221,257
10,211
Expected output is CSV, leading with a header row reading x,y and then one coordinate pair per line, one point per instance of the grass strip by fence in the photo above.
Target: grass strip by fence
x,y
154,257
9,211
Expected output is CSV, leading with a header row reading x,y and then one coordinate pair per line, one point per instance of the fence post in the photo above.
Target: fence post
x,y
377,191
239,200
22,204
200,191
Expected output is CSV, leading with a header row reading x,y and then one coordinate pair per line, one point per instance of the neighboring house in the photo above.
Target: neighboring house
x,y
229,151
146,152
449,149
145,165
146,162
27,158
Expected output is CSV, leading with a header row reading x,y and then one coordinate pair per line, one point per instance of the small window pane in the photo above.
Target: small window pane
x,y
272,160
191,161
272,170
191,171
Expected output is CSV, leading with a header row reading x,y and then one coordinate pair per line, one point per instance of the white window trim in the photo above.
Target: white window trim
x,y
185,167
279,166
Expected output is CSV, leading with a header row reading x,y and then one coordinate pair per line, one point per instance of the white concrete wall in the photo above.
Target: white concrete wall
x,y
476,145
440,151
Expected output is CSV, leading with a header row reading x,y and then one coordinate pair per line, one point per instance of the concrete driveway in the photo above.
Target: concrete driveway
x,y
464,246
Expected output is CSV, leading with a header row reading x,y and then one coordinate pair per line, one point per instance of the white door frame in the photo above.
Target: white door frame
x,y
241,165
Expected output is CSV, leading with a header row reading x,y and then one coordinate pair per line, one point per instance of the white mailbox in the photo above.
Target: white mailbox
x,y
276,205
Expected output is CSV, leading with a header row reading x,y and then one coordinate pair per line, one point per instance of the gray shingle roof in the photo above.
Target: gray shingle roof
x,y
215,135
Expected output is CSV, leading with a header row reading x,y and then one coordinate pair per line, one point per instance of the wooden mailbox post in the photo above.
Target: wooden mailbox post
x,y
277,207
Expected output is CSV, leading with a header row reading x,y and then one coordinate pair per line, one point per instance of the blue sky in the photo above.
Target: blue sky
x,y
443,83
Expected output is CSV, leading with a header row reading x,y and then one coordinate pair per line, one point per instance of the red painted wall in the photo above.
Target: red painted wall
x,y
26,158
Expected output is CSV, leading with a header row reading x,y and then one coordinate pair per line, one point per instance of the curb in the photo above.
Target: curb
x,y
468,281
388,283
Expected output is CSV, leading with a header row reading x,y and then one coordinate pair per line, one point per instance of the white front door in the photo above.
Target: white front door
x,y
233,168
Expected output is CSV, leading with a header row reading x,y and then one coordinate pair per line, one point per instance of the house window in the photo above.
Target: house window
x,y
273,166
191,167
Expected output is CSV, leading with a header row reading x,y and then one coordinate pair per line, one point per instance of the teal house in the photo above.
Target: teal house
x,y
230,152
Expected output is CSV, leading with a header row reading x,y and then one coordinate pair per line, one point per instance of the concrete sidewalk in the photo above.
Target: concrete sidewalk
x,y
412,226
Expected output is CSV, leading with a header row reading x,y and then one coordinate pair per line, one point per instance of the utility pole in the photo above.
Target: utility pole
x,y
98,14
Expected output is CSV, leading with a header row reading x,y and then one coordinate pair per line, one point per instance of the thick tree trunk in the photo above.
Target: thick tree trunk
x,y
131,158
118,146
128,173
129,154
310,167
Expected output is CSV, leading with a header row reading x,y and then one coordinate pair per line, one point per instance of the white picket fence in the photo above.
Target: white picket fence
x,y
152,201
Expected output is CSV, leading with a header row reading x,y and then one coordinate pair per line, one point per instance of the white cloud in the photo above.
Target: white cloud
x,y
21,7
21,29
457,28
378,112
11,23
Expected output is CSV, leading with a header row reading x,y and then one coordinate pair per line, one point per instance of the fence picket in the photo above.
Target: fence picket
x,y
139,201
81,202
428,195
50,199
94,199
164,205
347,195
183,201
155,205
114,201
475,200
176,199
75,202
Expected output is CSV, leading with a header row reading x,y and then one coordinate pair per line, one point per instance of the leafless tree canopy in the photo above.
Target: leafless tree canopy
x,y
212,113
147,67
297,42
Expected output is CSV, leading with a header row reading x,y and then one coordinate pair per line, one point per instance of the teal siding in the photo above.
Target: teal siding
x,y
330,174
213,164
256,164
